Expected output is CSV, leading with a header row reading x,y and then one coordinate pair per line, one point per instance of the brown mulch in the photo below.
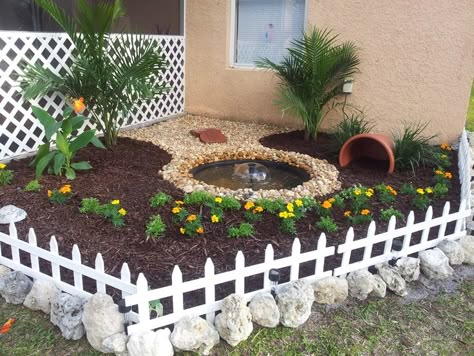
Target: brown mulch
x,y
130,172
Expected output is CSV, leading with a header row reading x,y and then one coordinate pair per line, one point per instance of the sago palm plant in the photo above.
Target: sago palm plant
x,y
112,74
311,75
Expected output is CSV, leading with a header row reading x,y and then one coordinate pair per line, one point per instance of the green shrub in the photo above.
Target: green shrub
x,y
327,224
386,214
243,230
408,189
159,199
110,211
352,125
229,203
6,175
155,227
440,190
32,186
90,206
386,193
413,149
272,206
60,196
199,198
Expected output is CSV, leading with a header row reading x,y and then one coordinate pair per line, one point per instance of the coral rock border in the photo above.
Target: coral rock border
x,y
323,175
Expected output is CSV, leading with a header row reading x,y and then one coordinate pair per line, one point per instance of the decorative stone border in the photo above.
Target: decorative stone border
x,y
323,175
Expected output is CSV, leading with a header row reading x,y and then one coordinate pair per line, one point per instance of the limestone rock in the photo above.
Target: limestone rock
x,y
409,268
331,290
294,301
10,213
4,270
264,310
467,243
66,313
101,319
360,284
453,250
195,334
14,287
151,344
435,264
392,279
116,344
234,323
379,287
41,295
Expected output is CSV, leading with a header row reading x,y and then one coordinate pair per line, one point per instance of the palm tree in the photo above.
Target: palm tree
x,y
312,75
111,74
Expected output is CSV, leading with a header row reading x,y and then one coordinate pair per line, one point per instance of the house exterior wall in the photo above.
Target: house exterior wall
x,y
417,62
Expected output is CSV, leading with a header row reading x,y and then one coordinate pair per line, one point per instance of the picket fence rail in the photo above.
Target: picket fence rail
x,y
139,295
21,133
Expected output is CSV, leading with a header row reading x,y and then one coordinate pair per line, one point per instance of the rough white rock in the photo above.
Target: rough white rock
x,y
331,290
294,301
115,344
195,334
467,243
10,213
101,319
234,323
66,313
392,279
151,344
435,264
4,270
453,250
360,284
379,287
409,268
264,310
41,295
14,287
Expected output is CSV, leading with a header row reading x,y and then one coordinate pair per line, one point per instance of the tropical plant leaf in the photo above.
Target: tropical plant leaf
x,y
82,140
43,163
70,173
81,166
43,150
96,142
59,160
62,144
51,126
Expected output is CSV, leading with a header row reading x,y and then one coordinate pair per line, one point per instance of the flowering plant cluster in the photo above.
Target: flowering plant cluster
x,y
6,175
111,211
60,196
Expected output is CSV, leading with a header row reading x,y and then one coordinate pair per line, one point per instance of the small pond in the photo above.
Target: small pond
x,y
253,174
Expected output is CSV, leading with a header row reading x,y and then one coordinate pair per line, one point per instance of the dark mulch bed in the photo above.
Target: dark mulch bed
x,y
129,172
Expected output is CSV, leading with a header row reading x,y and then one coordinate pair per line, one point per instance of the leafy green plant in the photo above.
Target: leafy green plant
x,y
159,199
440,190
243,230
351,125
327,224
156,306
199,198
442,177
312,75
386,214
113,74
386,193
413,149
360,217
408,189
254,214
6,175
90,206
60,133
288,226
32,186
60,196
272,206
192,225
111,211
228,203
155,227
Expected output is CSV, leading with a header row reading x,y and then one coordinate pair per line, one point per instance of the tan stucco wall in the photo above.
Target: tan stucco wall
x,y
417,62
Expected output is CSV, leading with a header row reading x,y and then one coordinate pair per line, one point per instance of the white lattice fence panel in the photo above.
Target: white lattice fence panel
x,y
20,131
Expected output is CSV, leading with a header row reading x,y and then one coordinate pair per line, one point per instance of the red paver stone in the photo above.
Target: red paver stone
x,y
209,135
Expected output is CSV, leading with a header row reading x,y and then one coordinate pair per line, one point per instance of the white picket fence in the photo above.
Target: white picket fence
x,y
140,296
21,132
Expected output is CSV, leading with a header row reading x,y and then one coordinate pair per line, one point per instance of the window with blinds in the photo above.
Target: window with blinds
x,y
265,28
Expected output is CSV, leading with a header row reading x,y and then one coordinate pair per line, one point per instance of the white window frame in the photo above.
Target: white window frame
x,y
233,35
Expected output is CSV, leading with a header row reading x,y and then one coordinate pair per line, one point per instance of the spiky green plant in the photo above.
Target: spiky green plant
x,y
112,74
311,76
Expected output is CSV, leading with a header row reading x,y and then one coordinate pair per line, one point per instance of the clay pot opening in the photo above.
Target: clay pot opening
x,y
372,151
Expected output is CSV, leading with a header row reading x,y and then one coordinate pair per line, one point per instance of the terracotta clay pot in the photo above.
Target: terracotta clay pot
x,y
374,146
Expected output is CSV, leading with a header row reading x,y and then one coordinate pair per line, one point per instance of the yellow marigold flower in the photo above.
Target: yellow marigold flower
x,y
283,214
191,218
443,156
50,193
182,230
370,190
122,212
429,190
290,207
214,219
115,202
326,204
258,209
3,166
249,205
448,175
298,202
78,105
65,189
179,202
331,200
291,215
200,230
420,191
176,210
365,212
439,172
347,213
369,194
357,191
218,200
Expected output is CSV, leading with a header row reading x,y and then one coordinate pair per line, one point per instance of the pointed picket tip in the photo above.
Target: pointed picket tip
x,y
53,244
269,249
142,282
411,218
12,230
350,235
322,240
446,208
296,244
371,229
76,253
239,256
392,222
176,274
99,259
429,213
125,269
32,237
209,265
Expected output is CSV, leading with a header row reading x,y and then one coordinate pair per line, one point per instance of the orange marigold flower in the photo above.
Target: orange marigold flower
x,y
258,209
365,212
50,193
200,230
448,175
439,172
347,213
249,205
326,204
65,189
191,218
78,105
